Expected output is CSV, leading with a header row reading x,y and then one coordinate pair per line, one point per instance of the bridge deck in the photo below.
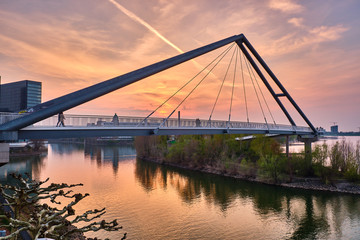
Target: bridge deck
x,y
82,132
82,126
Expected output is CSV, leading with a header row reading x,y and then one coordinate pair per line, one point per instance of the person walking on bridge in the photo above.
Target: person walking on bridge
x,y
61,119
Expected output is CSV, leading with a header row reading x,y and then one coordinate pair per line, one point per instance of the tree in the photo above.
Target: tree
x,y
273,164
335,157
319,157
320,154
42,220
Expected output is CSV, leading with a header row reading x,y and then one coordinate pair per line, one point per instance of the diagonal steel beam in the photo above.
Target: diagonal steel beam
x,y
258,71
76,98
278,83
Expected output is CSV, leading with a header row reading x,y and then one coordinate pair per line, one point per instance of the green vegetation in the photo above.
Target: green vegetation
x,y
344,161
260,158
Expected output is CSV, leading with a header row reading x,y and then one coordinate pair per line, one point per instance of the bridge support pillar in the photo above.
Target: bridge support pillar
x,y
4,153
287,146
307,140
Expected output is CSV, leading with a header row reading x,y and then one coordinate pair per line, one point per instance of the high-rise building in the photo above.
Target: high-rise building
x,y
334,129
20,95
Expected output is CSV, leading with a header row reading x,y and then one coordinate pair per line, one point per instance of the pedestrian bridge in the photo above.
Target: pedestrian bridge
x,y
40,121
81,126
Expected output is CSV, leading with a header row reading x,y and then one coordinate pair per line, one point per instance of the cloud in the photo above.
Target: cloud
x,y
296,41
328,33
63,51
297,22
286,6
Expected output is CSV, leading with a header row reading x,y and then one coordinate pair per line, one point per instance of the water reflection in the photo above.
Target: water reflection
x,y
312,215
108,154
31,165
66,148
102,155
308,225
163,202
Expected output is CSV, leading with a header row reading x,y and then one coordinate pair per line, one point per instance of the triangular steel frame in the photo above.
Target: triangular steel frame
x,y
243,41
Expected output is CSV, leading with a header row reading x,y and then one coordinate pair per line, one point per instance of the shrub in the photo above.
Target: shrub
x,y
352,175
274,165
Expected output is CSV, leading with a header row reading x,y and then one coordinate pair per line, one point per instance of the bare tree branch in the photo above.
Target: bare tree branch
x,y
44,220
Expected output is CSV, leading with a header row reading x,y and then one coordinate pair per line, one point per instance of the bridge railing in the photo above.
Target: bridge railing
x,y
7,117
126,121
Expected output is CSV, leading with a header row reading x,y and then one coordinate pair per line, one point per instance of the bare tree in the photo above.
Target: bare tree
x,y
42,220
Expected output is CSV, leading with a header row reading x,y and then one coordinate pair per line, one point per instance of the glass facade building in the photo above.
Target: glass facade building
x,y
19,96
334,129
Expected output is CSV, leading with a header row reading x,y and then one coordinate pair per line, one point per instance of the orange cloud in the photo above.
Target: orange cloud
x,y
292,42
298,22
286,6
327,33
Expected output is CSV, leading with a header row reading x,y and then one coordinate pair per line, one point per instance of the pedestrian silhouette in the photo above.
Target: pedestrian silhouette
x,y
197,122
115,120
61,119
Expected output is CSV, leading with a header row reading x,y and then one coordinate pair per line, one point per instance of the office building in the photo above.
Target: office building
x,y
334,129
18,96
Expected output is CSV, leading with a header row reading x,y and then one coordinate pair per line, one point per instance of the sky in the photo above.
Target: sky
x,y
312,47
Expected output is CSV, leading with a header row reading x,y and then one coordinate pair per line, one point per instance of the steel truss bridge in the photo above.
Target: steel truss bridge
x,y
40,123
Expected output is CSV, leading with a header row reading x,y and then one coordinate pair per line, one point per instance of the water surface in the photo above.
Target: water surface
x,y
157,202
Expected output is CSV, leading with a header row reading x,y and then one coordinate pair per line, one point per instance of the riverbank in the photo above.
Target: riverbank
x,y
27,151
311,184
259,160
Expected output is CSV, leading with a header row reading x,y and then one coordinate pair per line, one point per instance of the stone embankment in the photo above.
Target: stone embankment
x,y
340,186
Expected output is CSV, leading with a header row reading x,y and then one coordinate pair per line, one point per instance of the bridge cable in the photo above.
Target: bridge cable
x,y
257,82
193,89
233,86
243,80
257,96
222,84
162,104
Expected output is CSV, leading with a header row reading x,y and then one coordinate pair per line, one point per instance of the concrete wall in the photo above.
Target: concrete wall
x,y
4,153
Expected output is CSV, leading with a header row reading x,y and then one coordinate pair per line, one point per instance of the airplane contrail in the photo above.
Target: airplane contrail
x,y
134,17
145,24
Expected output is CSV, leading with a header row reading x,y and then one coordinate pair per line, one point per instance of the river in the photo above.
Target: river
x,y
152,201
329,140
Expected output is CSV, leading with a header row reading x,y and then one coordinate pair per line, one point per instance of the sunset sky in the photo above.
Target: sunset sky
x,y
313,47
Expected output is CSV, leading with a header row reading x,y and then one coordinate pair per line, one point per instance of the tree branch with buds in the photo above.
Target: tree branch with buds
x,y
42,220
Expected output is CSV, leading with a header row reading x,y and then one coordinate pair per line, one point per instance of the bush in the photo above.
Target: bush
x,y
324,172
273,165
352,175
